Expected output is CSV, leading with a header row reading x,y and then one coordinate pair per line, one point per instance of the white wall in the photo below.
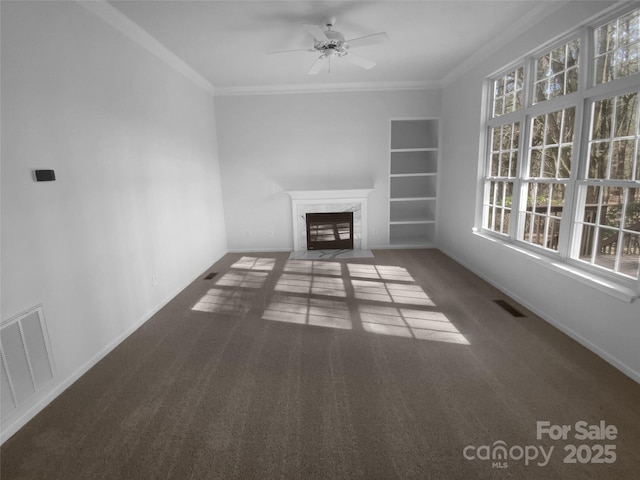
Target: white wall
x,y
610,327
137,193
270,143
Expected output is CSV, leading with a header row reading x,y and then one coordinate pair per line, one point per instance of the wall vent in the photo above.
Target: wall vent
x,y
509,308
211,275
26,363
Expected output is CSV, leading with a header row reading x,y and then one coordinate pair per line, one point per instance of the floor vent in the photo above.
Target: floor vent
x,y
509,308
26,364
211,275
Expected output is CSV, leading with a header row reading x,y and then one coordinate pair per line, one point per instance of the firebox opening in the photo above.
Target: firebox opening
x,y
327,231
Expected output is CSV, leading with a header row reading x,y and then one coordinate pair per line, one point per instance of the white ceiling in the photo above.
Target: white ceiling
x,y
226,42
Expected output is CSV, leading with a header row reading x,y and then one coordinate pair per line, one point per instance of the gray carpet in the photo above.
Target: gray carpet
x,y
376,368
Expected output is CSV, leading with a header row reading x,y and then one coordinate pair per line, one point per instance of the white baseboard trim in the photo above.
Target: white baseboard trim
x,y
30,410
259,250
607,357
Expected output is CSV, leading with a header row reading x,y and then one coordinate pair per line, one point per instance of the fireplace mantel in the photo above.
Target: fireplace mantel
x,y
308,201
359,193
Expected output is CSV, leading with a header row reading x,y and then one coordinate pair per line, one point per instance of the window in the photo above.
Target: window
x,y
616,48
562,164
508,92
557,72
503,167
549,168
609,213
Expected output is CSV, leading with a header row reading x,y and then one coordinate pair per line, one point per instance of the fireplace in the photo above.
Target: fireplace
x,y
330,230
327,201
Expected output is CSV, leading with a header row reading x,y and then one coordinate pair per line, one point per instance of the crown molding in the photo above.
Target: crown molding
x,y
119,21
324,88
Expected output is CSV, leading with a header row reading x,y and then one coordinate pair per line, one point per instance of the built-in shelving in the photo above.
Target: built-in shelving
x,y
413,175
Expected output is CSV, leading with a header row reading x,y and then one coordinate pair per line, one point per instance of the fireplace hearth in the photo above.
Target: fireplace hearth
x,y
329,231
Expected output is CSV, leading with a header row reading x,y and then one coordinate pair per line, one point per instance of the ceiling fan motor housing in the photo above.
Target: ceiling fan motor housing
x,y
335,43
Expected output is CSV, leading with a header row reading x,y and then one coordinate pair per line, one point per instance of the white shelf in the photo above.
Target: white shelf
x,y
413,171
401,150
411,222
410,199
396,175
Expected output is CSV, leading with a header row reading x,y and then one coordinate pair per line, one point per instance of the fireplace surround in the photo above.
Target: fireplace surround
x,y
326,201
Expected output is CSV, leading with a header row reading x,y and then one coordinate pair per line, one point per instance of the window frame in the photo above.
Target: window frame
x,y
587,93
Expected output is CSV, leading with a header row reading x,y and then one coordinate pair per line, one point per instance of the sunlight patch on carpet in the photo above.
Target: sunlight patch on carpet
x,y
224,301
308,311
314,267
243,279
255,263
382,272
373,290
404,322
311,284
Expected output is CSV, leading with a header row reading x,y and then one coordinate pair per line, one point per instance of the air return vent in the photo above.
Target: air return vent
x,y
509,308
26,364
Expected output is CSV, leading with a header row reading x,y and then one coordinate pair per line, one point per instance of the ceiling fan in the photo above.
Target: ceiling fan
x,y
332,44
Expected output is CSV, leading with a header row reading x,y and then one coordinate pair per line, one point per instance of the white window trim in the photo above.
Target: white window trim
x,y
616,285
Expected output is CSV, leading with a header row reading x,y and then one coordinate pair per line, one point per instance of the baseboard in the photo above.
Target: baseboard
x,y
402,247
259,250
623,367
40,403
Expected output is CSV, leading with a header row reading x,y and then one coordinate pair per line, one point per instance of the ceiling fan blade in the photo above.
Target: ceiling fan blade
x,y
317,66
316,32
359,61
372,39
291,51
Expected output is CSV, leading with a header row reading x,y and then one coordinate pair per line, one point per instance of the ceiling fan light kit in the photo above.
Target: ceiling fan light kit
x,y
332,44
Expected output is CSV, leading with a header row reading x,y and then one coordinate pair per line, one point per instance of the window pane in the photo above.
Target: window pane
x,y
611,207
535,163
616,48
564,167
587,242
605,254
504,165
602,111
557,72
632,210
573,49
626,109
495,139
622,159
504,150
598,160
551,144
629,28
495,164
611,230
550,162
629,254
506,137
614,138
604,38
604,68
572,80
544,207
498,206
514,164
497,106
507,92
